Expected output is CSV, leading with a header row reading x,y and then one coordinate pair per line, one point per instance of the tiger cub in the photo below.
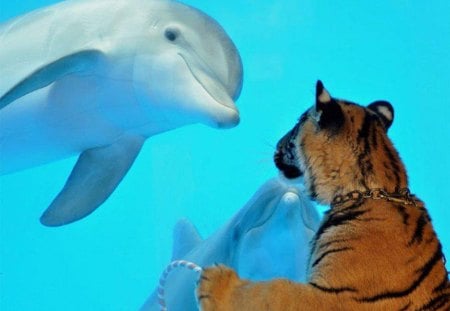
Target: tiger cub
x,y
375,249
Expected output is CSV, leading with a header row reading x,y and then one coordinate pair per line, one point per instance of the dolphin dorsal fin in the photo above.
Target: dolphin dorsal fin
x,y
185,238
81,61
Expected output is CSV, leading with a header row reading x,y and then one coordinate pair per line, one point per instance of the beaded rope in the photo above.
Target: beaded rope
x,y
162,279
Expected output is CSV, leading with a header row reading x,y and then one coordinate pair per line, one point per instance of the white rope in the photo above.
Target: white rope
x,y
162,279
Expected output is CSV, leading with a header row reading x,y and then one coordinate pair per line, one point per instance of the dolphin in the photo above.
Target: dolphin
x,y
269,237
97,78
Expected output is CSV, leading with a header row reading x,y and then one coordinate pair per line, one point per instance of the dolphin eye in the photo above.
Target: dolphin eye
x,y
171,34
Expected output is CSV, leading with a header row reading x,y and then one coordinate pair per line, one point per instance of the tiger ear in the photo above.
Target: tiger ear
x,y
328,112
384,110
322,95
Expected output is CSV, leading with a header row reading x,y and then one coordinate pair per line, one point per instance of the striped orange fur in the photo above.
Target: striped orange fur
x,y
371,252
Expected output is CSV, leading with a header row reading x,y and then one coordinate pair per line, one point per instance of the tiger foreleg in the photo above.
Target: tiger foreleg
x,y
216,285
220,289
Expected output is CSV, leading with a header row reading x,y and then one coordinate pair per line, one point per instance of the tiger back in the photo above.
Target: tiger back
x,y
376,248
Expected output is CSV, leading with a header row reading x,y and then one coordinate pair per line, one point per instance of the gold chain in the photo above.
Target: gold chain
x,y
402,196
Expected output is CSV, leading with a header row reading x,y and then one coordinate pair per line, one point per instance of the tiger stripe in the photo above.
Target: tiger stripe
x,y
375,249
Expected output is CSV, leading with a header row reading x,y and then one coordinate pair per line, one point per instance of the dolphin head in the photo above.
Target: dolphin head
x,y
274,232
186,68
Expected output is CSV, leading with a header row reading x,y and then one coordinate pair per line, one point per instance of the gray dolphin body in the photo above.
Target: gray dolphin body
x,y
269,237
97,78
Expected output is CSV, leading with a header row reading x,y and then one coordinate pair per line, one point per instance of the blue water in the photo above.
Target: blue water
x,y
394,50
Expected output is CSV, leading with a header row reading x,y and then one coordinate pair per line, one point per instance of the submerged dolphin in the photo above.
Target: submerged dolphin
x,y
99,77
269,237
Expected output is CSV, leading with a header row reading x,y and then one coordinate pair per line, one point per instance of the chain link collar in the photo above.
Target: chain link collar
x,y
402,196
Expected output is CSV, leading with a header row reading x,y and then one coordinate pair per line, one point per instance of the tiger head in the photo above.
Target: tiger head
x,y
339,146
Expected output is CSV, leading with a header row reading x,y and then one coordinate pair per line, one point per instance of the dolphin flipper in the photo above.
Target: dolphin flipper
x,y
96,174
185,238
51,72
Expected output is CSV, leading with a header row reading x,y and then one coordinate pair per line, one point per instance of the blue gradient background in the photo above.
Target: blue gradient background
x,y
362,50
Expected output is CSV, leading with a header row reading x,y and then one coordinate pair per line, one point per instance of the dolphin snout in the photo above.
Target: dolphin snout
x,y
219,106
231,121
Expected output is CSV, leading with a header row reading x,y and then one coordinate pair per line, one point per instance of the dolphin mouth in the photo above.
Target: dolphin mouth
x,y
209,82
302,210
285,186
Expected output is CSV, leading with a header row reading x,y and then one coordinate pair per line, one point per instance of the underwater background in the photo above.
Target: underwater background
x,y
361,50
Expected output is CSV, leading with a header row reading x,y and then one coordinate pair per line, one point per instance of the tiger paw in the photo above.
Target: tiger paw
x,y
215,287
